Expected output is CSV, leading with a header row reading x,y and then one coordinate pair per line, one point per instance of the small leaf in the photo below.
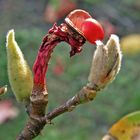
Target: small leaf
x,y
127,128
131,44
58,68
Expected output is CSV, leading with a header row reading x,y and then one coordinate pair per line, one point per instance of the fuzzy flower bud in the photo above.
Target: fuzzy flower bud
x,y
106,63
20,75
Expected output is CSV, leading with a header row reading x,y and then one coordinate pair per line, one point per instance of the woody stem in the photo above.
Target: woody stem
x,y
39,96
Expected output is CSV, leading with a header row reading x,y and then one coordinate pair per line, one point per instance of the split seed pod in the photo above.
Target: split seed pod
x,y
82,22
20,75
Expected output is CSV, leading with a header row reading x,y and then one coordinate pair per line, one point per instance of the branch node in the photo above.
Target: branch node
x,y
71,108
48,121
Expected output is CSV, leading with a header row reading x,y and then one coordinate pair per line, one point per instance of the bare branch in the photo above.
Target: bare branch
x,y
105,66
85,95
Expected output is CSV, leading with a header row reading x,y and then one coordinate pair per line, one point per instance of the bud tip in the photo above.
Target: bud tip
x,y
10,36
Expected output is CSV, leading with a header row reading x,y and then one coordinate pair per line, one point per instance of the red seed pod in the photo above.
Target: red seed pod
x,y
76,18
84,24
92,30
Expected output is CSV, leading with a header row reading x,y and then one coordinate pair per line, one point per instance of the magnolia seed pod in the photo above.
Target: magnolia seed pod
x,y
127,128
76,18
20,75
106,63
82,22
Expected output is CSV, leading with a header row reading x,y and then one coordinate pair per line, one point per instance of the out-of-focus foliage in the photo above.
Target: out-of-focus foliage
x,y
3,67
131,44
55,10
134,4
91,1
7,111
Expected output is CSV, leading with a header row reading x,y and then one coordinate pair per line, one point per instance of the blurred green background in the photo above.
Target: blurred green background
x,y
31,21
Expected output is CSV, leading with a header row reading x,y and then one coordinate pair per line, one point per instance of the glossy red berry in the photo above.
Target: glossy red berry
x,y
92,30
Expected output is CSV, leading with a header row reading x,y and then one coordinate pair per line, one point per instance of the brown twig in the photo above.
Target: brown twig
x,y
39,98
85,95
36,123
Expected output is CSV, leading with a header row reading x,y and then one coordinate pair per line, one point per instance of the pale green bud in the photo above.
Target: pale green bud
x,y
20,75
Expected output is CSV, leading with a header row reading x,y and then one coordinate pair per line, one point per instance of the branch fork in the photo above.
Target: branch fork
x,y
105,66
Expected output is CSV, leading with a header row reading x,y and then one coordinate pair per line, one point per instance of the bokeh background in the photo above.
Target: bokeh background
x,y
31,20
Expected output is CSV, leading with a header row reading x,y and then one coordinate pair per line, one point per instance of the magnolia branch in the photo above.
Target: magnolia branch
x,y
83,96
105,66
78,28
39,97
35,123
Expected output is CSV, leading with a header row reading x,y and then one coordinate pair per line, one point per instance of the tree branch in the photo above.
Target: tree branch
x,y
84,95
39,97
105,66
36,123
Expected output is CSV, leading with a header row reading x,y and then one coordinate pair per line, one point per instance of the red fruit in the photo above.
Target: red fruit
x,y
92,30
76,18
84,24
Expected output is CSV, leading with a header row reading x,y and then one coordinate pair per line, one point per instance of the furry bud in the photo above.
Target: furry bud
x,y
106,63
